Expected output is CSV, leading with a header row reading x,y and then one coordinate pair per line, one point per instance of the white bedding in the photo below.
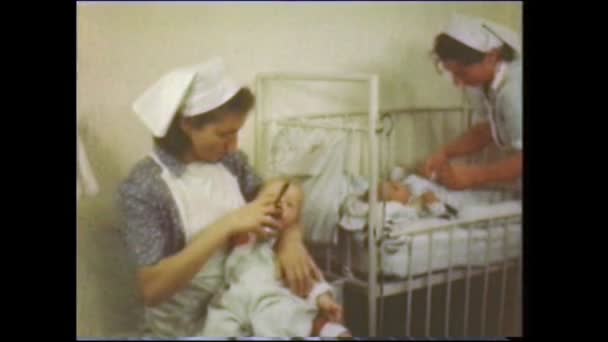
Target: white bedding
x,y
395,261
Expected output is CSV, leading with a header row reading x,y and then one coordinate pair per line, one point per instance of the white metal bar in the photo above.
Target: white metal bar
x,y
419,282
390,111
328,258
373,211
503,288
320,116
484,299
349,255
306,125
314,76
419,110
454,223
518,309
449,289
381,295
467,282
258,120
381,276
410,273
429,289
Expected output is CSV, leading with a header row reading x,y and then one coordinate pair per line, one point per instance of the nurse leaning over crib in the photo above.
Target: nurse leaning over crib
x,y
184,201
484,58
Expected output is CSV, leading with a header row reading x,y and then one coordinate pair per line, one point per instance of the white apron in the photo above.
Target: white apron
x,y
203,193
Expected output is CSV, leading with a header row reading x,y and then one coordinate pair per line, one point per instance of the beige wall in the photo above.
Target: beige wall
x,y
122,48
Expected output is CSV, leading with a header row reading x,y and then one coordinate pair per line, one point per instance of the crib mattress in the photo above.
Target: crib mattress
x,y
488,244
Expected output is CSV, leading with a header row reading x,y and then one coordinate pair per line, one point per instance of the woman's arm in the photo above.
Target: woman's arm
x,y
147,234
474,140
298,268
162,280
460,177
505,170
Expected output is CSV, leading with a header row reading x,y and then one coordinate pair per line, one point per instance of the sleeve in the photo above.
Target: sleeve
x,y
319,289
511,106
145,224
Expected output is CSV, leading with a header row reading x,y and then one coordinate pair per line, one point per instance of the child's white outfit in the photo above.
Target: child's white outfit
x,y
255,302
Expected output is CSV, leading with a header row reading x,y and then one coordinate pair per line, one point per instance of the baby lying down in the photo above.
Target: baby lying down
x,y
256,302
407,199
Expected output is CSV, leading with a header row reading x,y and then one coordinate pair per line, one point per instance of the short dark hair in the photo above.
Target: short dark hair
x,y
176,141
450,49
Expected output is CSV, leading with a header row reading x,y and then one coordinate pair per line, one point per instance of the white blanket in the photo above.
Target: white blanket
x,y
395,259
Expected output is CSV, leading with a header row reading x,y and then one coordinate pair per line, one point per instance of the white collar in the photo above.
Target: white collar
x,y
499,76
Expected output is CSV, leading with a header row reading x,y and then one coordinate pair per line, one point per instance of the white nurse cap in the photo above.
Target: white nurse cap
x,y
190,90
481,34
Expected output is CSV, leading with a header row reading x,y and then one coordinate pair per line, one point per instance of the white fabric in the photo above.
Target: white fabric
x,y
503,106
396,213
354,213
321,159
256,301
418,185
437,208
396,260
331,329
86,183
397,174
299,152
193,90
319,289
457,198
324,195
481,34
203,193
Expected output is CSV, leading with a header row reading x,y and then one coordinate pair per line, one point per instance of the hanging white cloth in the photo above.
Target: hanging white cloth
x,y
86,183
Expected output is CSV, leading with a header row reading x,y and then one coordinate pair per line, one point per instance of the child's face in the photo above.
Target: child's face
x,y
394,191
290,203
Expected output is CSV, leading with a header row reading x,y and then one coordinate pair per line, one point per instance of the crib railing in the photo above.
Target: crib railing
x,y
447,277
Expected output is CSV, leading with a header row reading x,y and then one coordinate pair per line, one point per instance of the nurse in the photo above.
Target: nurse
x,y
485,59
183,202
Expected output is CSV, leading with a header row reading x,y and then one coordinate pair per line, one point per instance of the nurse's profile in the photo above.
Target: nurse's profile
x,y
484,58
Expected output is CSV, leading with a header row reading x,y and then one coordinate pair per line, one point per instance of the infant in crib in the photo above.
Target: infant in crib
x,y
409,195
256,302
405,199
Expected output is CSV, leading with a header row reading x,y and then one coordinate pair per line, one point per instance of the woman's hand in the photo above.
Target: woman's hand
x,y
459,177
433,165
253,217
330,308
297,266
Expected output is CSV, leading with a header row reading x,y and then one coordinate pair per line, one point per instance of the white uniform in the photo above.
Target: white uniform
x,y
203,193
503,105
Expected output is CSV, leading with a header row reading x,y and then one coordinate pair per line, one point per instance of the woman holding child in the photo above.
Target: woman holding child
x,y
184,202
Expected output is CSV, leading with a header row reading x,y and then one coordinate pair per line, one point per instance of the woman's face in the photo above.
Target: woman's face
x,y
474,75
213,141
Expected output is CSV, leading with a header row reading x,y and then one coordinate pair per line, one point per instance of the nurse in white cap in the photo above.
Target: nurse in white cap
x,y
484,58
184,201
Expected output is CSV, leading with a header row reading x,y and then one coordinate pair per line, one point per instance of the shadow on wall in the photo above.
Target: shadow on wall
x,y
107,300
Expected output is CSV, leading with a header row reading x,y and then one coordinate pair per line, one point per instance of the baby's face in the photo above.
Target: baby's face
x,y
290,203
394,191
